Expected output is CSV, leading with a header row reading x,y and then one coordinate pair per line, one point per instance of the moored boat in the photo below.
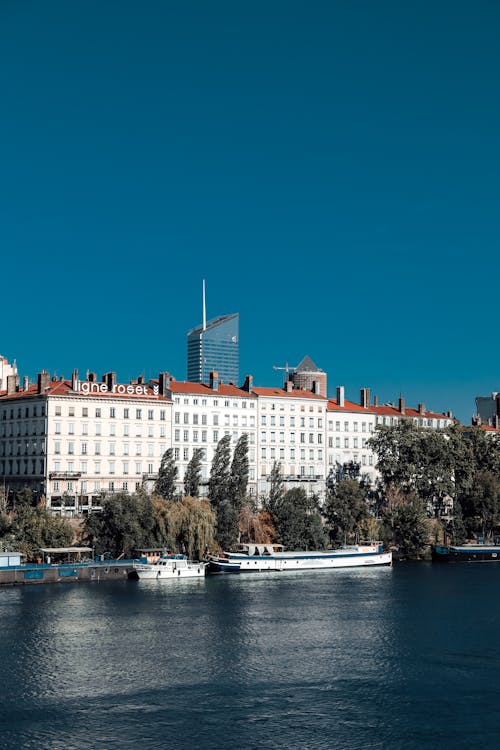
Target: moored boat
x,y
465,553
250,558
170,567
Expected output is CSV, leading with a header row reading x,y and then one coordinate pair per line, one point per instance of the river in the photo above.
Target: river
x,y
407,657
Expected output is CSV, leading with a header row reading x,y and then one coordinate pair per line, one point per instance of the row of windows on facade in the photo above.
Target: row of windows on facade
x,y
348,427
266,453
314,437
202,419
97,487
214,402
112,412
291,421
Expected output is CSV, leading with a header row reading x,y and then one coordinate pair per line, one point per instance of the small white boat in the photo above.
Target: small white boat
x,y
171,567
249,558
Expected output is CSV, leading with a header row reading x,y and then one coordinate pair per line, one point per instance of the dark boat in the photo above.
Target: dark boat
x,y
466,553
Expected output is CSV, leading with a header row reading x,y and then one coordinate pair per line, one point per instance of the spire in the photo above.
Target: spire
x,y
204,308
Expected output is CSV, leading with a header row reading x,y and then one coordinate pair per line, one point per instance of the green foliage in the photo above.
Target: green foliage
x,y
345,508
33,528
220,493
239,472
219,485
192,476
481,506
297,520
165,485
124,524
416,460
406,517
277,488
189,521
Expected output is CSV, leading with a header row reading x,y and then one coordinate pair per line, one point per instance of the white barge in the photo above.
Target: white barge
x,y
250,558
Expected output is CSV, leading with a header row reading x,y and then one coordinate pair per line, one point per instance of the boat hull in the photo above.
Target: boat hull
x,y
466,553
170,572
299,562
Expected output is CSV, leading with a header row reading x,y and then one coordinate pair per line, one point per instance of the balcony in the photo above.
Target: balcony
x,y
65,474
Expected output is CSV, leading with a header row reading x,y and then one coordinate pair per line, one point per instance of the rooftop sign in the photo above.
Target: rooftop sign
x,y
120,388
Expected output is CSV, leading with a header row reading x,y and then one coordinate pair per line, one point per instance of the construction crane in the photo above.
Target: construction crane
x,y
286,368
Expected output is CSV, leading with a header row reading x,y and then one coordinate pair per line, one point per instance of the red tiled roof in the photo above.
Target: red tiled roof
x,y
63,388
202,389
383,410
348,406
282,393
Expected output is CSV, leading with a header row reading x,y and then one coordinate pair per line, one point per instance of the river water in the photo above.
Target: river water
x,y
407,657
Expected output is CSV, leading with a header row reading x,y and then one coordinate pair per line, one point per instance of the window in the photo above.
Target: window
x,y
112,449
273,437
98,429
97,413
355,442
85,411
111,467
112,429
176,453
150,413
216,419
112,412
337,442
125,467
150,450
186,435
346,426
84,449
85,428
138,449
97,449
346,442
195,436
263,420
292,421
126,413
203,418
97,467
203,436
58,412
195,419
57,447
125,486
216,436
126,449
162,415
138,467
355,426
185,454
57,428
71,447
126,430
186,417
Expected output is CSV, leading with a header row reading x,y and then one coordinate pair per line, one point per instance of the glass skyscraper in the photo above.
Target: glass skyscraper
x,y
214,347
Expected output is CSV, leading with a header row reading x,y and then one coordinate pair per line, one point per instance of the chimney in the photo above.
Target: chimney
x,y
74,380
288,386
92,377
248,384
496,422
140,380
340,395
26,383
449,414
11,384
421,408
214,381
43,381
163,383
365,398
110,380
402,405
498,404
375,401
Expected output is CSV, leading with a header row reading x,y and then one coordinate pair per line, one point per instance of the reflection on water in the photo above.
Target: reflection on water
x,y
381,658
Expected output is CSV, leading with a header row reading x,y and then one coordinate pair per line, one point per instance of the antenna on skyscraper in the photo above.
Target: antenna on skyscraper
x,y
204,308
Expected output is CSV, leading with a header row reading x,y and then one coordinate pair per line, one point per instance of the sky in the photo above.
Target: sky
x,y
331,168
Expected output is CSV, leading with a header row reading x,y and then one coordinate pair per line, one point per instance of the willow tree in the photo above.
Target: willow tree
x,y
186,522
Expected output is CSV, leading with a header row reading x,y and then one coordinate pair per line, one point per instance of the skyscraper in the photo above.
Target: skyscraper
x,y
214,347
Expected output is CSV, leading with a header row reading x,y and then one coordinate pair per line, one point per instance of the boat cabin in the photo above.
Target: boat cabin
x,y
259,549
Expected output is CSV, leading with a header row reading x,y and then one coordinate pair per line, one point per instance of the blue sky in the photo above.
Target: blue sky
x,y
330,168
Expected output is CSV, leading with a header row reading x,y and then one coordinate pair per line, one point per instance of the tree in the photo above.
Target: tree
x,y
165,485
276,489
220,494
297,520
188,521
219,484
481,506
417,460
406,517
192,477
239,472
34,528
255,525
125,523
345,508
